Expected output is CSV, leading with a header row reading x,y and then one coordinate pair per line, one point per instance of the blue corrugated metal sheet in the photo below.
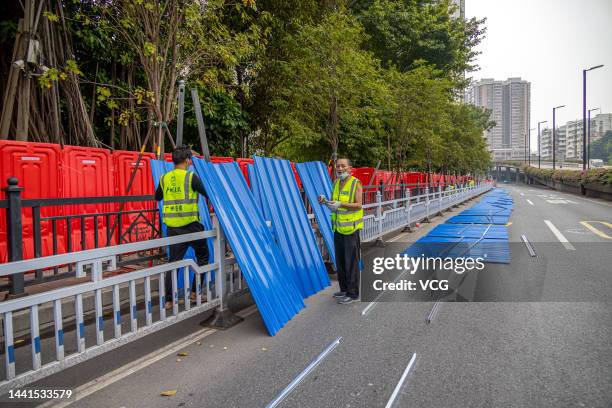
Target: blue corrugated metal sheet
x,y
316,181
490,250
487,211
283,205
159,168
470,231
260,259
478,219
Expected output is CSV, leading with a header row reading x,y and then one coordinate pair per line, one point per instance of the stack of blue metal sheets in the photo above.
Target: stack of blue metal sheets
x,y
282,204
261,261
478,232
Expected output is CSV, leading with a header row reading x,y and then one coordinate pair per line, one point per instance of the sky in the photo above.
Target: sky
x,y
548,43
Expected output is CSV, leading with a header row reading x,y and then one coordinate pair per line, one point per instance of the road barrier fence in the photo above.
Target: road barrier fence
x,y
143,290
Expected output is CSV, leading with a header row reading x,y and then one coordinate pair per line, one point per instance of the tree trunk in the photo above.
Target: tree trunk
x,y
23,107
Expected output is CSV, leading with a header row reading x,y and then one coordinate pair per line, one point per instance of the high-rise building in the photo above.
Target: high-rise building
x,y
561,143
574,140
600,124
546,144
509,102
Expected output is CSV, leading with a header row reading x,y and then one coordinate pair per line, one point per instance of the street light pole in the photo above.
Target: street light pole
x,y
584,114
539,154
554,149
525,154
529,147
589,137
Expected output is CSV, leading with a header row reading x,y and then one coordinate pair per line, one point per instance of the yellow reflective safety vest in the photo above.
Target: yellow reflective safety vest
x,y
180,205
345,221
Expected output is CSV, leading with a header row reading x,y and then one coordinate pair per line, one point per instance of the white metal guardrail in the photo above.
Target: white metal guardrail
x,y
155,317
388,216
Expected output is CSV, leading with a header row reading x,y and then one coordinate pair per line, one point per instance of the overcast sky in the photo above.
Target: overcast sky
x,y
549,43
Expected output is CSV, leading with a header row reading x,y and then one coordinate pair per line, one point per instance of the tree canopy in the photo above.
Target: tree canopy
x,y
302,79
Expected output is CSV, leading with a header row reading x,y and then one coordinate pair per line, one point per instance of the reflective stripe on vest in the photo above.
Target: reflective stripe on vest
x,y
346,221
180,206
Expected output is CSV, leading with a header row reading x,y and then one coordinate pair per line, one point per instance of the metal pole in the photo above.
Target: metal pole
x,y
525,157
588,143
553,140
201,126
589,136
223,317
181,114
584,140
539,154
539,136
14,231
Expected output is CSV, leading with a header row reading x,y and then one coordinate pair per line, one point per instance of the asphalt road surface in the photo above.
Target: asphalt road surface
x,y
548,344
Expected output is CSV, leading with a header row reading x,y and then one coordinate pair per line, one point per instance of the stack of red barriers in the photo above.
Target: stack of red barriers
x,y
47,170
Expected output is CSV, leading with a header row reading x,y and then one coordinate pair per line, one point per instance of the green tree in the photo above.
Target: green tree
x,y
332,94
404,32
602,148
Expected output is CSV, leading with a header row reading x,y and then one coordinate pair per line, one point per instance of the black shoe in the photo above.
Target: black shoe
x,y
339,295
346,300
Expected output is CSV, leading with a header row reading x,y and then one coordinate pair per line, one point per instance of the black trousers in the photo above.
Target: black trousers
x,y
177,252
348,256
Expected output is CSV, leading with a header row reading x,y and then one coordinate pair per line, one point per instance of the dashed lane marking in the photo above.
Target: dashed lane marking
x,y
559,236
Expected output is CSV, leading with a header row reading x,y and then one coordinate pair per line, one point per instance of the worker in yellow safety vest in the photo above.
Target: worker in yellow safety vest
x,y
347,220
179,189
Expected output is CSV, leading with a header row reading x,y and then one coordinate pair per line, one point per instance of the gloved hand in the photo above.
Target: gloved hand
x,y
333,205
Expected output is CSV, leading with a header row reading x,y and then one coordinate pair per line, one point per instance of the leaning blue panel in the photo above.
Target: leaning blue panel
x,y
283,204
316,181
260,259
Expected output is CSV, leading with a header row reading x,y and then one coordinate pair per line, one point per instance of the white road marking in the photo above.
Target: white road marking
x,y
104,381
398,387
593,201
522,194
296,381
553,196
529,201
369,307
559,236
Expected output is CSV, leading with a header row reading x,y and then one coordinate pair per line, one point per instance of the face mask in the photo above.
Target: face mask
x,y
342,176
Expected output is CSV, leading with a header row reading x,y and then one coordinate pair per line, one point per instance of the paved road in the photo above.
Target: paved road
x,y
542,351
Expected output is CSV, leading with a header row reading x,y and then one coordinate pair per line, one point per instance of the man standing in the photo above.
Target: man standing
x,y
347,220
179,189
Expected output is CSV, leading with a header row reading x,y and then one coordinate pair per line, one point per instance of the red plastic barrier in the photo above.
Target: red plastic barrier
x,y
124,164
364,174
87,172
36,167
217,159
296,175
244,164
